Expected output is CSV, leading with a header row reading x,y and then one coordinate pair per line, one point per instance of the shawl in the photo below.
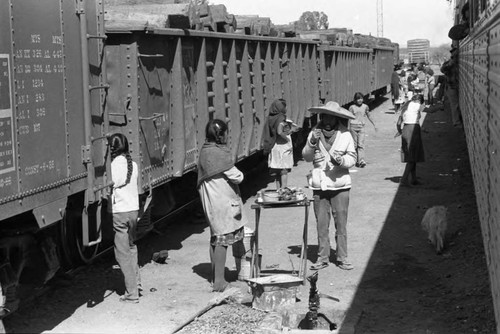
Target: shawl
x,y
276,116
214,159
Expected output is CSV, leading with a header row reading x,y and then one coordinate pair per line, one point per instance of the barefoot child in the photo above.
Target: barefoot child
x,y
218,181
357,127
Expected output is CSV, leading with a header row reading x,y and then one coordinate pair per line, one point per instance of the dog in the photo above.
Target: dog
x,y
434,223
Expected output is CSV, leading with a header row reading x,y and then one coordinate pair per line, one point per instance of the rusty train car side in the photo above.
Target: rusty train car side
x,y
479,91
175,82
67,82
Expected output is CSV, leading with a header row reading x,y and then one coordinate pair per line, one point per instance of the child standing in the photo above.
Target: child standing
x,y
218,181
125,208
280,160
357,127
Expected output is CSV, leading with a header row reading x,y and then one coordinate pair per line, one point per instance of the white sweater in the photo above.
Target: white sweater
x,y
333,177
125,197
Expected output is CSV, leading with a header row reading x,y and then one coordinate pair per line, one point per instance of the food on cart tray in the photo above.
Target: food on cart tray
x,y
287,194
283,194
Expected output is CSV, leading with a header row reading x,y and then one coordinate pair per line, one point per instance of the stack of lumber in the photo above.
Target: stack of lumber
x,y
186,14
205,13
224,21
332,36
151,14
382,41
245,24
364,41
286,30
254,25
262,26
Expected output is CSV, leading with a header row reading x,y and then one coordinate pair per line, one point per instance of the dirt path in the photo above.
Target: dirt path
x,y
399,285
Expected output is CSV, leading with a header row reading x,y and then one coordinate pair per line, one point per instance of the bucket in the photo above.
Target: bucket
x,y
248,238
244,248
243,254
243,265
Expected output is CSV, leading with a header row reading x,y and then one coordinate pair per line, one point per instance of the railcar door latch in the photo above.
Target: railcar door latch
x,y
86,154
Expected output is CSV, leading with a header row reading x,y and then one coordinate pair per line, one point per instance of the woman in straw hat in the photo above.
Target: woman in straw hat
x,y
330,147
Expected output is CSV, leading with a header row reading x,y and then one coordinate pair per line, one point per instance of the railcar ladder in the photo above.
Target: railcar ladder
x,y
93,191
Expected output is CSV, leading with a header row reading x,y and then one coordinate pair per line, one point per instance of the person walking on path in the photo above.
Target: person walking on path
x,y
450,70
278,143
395,87
331,149
431,82
357,127
217,185
125,209
402,91
412,150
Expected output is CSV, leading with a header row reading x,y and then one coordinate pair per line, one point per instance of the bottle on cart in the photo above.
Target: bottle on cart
x,y
260,197
300,195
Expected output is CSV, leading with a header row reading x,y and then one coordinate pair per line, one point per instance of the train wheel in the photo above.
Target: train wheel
x,y
71,238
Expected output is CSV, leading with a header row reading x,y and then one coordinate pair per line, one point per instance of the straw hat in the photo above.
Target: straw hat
x,y
332,108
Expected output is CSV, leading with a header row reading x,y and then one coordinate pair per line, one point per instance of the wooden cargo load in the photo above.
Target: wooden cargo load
x,y
224,21
286,30
205,13
262,26
151,14
333,36
245,24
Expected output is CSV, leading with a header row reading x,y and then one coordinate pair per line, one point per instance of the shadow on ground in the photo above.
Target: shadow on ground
x,y
408,288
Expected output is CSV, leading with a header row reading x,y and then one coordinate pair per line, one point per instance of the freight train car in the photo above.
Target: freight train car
x,y
479,99
68,81
52,138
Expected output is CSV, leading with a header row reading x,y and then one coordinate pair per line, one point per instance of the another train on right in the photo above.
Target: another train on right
x,y
479,100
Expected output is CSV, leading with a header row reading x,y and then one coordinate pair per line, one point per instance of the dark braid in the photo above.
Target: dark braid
x,y
119,146
130,167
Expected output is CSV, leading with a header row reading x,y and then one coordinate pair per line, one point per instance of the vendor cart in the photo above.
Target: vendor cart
x,y
258,207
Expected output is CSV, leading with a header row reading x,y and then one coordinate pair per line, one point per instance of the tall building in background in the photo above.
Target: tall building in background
x,y
418,50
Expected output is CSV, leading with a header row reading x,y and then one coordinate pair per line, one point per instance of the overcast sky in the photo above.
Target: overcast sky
x,y
403,19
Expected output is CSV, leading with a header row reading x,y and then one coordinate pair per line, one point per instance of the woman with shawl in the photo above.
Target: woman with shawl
x,y
218,181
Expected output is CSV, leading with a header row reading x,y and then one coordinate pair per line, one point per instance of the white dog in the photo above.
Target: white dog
x,y
434,223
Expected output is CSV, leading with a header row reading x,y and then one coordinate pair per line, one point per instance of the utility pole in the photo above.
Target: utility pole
x,y
380,18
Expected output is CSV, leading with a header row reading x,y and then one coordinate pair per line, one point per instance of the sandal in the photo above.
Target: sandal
x,y
345,265
319,265
125,299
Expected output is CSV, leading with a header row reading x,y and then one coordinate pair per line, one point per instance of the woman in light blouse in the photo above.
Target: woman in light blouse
x,y
412,150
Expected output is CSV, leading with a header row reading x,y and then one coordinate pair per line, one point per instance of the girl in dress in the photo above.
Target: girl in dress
x,y
280,160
